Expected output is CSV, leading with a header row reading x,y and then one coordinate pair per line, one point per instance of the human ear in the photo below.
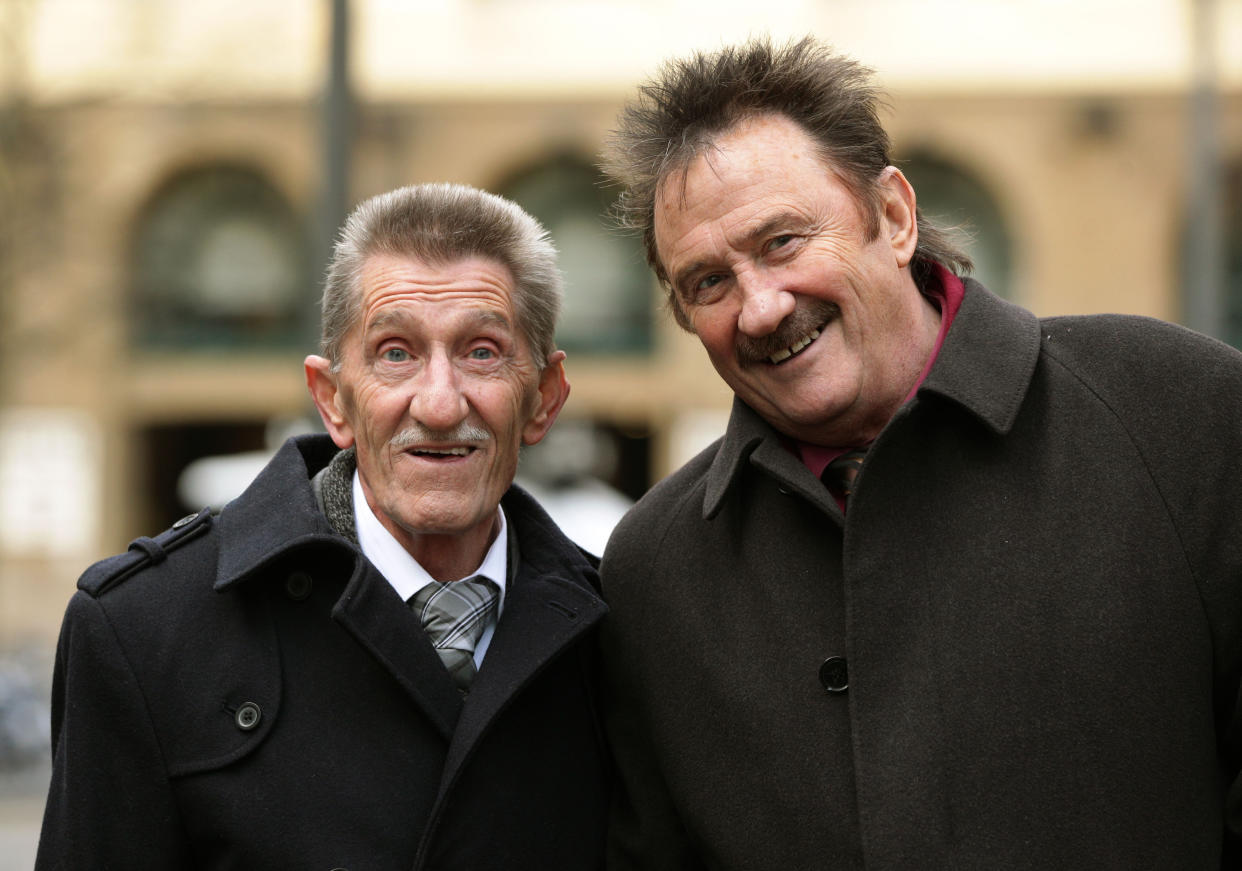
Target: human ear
x,y
900,214
553,391
326,393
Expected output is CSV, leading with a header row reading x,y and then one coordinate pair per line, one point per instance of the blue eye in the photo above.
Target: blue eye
x,y
481,354
396,355
780,241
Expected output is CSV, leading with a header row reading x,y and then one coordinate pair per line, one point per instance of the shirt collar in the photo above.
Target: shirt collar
x,y
402,570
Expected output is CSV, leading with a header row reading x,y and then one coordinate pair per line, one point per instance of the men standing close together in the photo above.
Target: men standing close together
x,y
959,587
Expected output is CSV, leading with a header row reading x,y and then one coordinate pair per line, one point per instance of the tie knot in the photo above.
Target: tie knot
x,y
841,472
455,595
455,616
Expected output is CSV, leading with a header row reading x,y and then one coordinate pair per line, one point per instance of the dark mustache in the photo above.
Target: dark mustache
x,y
798,324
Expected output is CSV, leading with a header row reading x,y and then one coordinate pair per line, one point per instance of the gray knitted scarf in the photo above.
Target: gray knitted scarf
x,y
334,491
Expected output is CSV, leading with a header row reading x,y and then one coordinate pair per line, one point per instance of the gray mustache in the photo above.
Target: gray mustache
x,y
416,435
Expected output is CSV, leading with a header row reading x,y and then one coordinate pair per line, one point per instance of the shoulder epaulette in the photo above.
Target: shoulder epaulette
x,y
143,552
592,573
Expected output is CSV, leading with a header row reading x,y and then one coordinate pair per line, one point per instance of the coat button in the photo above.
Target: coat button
x,y
298,586
248,716
834,674
185,521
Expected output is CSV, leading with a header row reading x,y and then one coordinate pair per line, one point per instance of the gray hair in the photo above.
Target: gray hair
x,y
441,224
694,101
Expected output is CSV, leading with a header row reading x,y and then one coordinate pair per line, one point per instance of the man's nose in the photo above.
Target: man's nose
x,y
438,402
764,303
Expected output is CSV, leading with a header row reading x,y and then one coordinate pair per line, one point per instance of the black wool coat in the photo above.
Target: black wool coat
x,y
247,691
1033,612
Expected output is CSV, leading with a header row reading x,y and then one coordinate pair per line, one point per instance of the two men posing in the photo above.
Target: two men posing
x,y
945,594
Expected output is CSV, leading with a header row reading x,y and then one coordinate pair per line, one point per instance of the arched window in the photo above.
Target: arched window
x,y
220,260
608,296
952,197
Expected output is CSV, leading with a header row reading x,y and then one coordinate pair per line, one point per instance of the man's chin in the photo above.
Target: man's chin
x,y
437,523
440,517
810,422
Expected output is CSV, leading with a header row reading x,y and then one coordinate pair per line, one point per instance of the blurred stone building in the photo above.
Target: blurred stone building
x,y
161,168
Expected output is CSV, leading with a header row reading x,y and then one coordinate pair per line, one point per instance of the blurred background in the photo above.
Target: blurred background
x,y
172,171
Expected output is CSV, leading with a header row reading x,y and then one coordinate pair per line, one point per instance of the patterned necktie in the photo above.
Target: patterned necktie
x,y
841,472
454,616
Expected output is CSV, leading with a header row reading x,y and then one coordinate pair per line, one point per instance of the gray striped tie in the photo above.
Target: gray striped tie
x,y
454,616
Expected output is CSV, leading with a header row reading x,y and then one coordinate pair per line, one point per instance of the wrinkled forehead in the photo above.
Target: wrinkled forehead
x,y
753,154
477,282
763,157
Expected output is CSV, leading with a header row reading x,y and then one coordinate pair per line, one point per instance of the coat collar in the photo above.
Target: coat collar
x,y
279,511
276,512
985,367
988,358
552,603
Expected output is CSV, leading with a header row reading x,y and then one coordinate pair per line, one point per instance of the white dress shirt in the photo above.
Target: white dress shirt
x,y
408,577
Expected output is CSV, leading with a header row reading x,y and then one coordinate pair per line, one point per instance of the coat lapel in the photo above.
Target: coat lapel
x,y
543,616
374,614
988,359
281,505
550,604
751,439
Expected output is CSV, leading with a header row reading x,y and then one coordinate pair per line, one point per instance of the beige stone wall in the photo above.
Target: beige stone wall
x,y
1096,211
1095,208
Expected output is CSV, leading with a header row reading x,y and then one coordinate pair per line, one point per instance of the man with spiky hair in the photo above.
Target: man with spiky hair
x,y
958,587
382,654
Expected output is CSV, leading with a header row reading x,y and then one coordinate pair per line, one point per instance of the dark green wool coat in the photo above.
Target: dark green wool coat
x,y
1037,591
248,692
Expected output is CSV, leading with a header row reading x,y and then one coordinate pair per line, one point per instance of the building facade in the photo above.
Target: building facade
x,y
158,265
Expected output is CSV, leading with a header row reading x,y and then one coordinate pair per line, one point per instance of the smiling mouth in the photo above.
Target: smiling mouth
x,y
442,453
796,348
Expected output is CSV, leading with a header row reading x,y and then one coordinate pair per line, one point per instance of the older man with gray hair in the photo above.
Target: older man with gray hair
x,y
379,656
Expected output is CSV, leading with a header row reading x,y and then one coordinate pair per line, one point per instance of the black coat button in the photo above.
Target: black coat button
x,y
834,674
248,716
298,586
